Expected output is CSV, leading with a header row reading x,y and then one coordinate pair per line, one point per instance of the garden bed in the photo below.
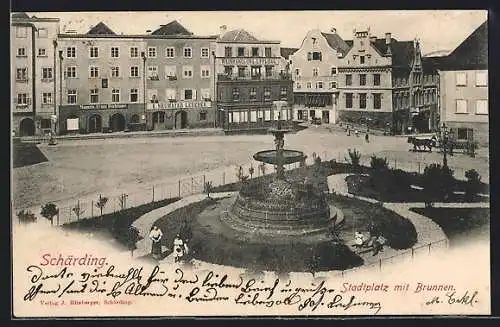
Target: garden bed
x,y
26,154
459,224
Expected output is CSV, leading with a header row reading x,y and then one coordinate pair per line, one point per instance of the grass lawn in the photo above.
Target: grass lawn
x,y
459,224
26,154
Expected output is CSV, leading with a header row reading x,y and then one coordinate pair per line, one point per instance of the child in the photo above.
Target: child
x,y
179,248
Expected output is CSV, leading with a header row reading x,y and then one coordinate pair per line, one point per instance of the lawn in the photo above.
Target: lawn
x,y
26,154
459,224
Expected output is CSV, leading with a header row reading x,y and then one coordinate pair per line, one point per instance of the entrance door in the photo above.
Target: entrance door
x,y
158,120
117,122
95,124
181,119
326,116
27,127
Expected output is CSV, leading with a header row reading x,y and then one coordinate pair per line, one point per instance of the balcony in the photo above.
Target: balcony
x,y
249,77
172,78
47,80
154,78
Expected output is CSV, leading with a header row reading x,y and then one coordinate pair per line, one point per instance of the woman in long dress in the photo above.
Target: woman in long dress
x,y
155,235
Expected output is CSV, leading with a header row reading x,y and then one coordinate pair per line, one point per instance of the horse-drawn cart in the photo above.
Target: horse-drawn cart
x,y
422,142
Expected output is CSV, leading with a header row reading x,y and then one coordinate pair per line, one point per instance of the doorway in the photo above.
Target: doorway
x,y
158,120
95,124
117,122
27,127
180,119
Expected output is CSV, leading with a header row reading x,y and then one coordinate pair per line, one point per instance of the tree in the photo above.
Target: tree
x,y
26,217
473,185
101,203
133,237
262,168
251,170
317,160
437,182
239,174
354,158
378,163
78,210
49,211
208,188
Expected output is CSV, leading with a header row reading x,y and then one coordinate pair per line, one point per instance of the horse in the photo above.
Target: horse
x,y
422,144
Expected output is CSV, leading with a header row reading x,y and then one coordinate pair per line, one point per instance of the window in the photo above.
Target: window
x,y
236,94
170,72
298,85
47,73
333,71
21,52
22,74
43,33
481,107
362,79
228,70
134,95
267,52
115,52
188,52
21,31
70,52
205,94
319,85
241,71
94,52
94,96
134,52
115,71
153,73
362,59
203,115
205,72
46,98
71,96
315,71
377,101
255,71
151,52
348,79
316,56
188,94
348,100
269,71
253,93
115,95
283,93
376,79
71,72
134,71
461,78
333,85
228,52
187,71
362,100
94,72
481,78
461,107
308,85
22,99
255,52
241,52
205,52
297,71
171,94
42,52
267,93
462,133
170,52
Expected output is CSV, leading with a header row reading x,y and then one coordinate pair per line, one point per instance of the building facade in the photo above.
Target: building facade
x,y
314,69
254,87
33,73
464,88
179,78
383,83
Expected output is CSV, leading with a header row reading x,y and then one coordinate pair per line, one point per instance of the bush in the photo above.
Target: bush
x,y
354,157
49,211
437,183
378,163
473,185
399,232
26,217
208,188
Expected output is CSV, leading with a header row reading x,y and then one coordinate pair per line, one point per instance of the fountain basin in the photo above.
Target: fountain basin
x,y
270,156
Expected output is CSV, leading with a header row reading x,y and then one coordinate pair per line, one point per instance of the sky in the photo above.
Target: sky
x,y
436,29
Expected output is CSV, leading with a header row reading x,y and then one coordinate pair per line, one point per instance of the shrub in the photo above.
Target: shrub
x,y
473,185
378,163
49,211
317,160
437,183
101,203
354,157
399,232
26,217
208,188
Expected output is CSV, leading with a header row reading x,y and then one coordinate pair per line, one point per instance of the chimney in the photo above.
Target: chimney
x,y
388,38
373,39
222,29
333,30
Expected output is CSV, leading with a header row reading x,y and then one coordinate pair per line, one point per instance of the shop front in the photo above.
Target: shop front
x,y
180,115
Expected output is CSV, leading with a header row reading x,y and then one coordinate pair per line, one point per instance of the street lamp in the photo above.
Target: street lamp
x,y
214,102
60,79
444,137
143,56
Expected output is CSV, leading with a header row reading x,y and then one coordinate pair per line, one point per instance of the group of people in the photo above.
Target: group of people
x,y
376,242
356,132
180,245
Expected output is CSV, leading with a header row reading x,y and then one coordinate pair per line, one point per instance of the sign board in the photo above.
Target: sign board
x,y
250,61
179,105
104,106
72,124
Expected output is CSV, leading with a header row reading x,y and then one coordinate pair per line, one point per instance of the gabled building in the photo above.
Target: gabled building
x,y
464,88
385,83
33,60
254,88
314,68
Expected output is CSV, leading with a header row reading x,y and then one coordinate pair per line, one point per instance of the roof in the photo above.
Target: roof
x,y
172,28
101,28
472,53
239,36
22,15
430,64
287,52
336,42
402,51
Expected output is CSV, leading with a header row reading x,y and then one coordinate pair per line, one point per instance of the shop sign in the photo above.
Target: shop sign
x,y
250,61
179,105
104,106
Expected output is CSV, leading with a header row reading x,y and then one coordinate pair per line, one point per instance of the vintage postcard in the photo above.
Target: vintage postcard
x,y
271,163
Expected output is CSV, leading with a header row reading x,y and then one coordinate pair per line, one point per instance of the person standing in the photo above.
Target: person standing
x,y
156,235
179,248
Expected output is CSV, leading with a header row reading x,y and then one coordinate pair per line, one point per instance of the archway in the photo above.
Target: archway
x,y
95,124
27,127
117,122
181,119
158,120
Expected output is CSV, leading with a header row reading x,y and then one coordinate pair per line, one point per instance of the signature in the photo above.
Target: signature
x,y
452,298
